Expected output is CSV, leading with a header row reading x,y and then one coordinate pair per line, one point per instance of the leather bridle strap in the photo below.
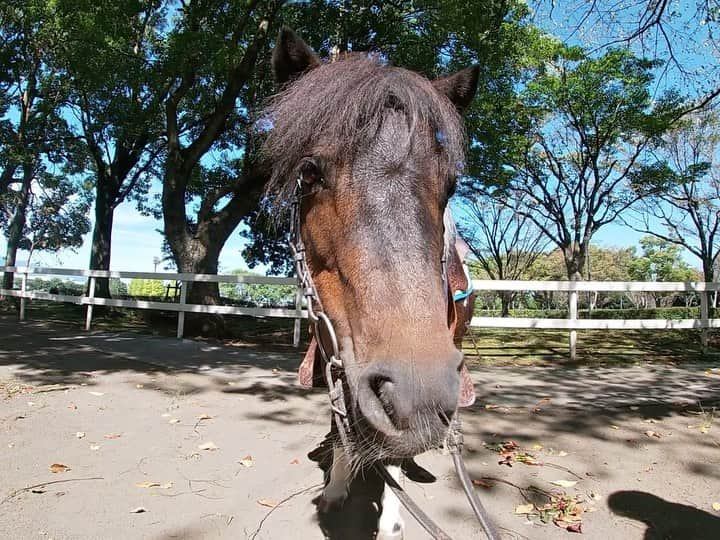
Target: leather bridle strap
x,y
415,511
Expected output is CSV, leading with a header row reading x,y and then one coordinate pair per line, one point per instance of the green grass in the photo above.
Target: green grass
x,y
532,346
489,346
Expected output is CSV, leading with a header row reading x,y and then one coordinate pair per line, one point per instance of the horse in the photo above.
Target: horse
x,y
371,154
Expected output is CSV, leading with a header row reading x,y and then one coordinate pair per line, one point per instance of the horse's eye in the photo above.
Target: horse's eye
x,y
310,171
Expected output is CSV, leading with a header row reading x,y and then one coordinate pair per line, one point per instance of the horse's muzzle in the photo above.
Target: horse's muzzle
x,y
410,404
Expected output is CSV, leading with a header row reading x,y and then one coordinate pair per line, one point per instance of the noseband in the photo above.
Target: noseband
x,y
334,371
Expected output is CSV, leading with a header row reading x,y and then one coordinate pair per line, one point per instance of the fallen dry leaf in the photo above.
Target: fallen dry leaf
x,y
247,461
138,510
267,502
614,427
98,394
544,400
704,429
564,483
491,406
562,453
595,496
655,434
295,461
537,446
113,435
716,506
80,434
174,421
524,508
147,484
210,446
204,417
574,527
94,447
139,386
58,467
482,483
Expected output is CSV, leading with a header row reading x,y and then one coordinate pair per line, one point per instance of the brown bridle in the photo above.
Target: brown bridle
x,y
334,370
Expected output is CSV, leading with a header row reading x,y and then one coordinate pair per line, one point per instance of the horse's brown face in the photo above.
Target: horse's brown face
x,y
372,224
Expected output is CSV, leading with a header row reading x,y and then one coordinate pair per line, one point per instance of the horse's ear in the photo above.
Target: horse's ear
x,y
459,87
292,56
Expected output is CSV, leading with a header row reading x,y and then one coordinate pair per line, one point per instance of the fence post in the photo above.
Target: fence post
x,y
91,296
704,316
181,314
23,289
298,314
573,315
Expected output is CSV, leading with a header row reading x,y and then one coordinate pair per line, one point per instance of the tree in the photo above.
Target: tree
x,y
115,94
683,35
660,261
208,109
592,123
34,137
505,243
146,288
685,195
56,215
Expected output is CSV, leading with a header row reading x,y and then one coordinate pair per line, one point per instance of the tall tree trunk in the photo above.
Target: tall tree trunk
x,y
17,224
505,300
6,178
708,275
102,236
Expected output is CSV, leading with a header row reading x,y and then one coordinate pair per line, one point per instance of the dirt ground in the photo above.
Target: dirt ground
x,y
207,439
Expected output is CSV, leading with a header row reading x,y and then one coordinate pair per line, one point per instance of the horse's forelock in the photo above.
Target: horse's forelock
x,y
341,105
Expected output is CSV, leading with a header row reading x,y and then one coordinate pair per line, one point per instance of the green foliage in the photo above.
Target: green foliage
x,y
661,261
118,288
259,295
57,286
147,288
632,313
592,121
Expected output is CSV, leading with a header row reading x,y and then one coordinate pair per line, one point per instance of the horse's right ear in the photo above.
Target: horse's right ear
x,y
292,56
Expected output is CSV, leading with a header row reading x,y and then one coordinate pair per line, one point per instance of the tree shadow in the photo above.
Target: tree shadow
x,y
664,519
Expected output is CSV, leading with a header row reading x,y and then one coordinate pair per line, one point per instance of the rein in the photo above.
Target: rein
x,y
326,338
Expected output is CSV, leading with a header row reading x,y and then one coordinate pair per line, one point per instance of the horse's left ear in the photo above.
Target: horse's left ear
x,y
292,56
459,87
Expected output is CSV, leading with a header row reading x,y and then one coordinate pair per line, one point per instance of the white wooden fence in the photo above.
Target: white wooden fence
x,y
572,323
181,307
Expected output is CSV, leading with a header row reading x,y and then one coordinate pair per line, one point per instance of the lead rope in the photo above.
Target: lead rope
x,y
333,370
454,444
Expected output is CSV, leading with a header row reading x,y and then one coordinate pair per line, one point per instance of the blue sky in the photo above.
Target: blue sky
x,y
135,243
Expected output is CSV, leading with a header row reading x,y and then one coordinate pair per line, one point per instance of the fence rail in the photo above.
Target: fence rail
x,y
571,324
180,307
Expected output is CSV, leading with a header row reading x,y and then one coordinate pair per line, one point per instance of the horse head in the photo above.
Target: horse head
x,y
376,150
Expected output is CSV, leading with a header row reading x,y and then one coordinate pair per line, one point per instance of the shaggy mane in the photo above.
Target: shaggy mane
x,y
342,105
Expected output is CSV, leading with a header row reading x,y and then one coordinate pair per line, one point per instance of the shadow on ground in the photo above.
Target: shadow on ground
x,y
664,519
